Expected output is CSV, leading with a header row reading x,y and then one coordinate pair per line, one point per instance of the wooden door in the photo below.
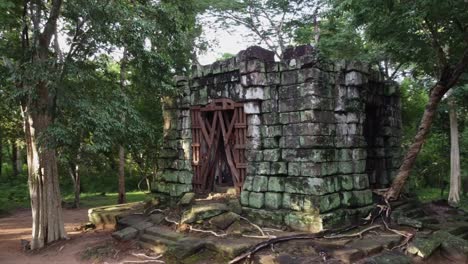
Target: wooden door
x,y
219,130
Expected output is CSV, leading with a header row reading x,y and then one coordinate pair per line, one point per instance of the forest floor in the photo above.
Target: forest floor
x,y
82,247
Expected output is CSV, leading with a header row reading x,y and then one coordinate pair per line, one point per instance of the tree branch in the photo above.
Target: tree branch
x,y
51,23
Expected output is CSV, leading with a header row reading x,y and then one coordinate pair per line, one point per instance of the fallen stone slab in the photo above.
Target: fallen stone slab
x,y
106,216
203,211
406,221
187,198
424,247
156,218
125,234
389,257
224,220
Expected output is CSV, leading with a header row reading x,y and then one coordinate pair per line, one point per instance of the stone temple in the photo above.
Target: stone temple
x,y
303,142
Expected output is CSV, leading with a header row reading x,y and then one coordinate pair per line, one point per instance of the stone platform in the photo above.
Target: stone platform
x,y
441,235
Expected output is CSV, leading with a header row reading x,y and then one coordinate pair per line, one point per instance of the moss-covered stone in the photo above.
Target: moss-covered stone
x,y
271,154
304,221
329,202
185,177
294,168
279,168
346,182
276,184
273,200
244,197
256,200
260,184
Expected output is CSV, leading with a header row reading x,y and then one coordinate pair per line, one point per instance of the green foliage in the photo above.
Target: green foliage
x,y
428,34
432,194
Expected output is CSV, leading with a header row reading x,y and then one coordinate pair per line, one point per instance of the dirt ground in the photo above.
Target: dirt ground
x,y
17,226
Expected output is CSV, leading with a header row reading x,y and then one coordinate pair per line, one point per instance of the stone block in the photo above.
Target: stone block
x,y
311,169
293,201
187,198
303,222
185,177
260,184
276,184
248,183
125,234
263,168
294,168
278,168
203,211
329,168
271,131
273,200
244,198
170,176
347,182
356,198
270,143
256,200
224,220
289,77
254,79
271,154
252,108
329,202
307,185
345,167
361,181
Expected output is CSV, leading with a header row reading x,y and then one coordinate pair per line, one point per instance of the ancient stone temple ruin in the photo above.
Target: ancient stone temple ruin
x,y
302,141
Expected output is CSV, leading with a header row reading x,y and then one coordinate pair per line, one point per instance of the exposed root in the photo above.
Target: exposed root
x,y
257,227
191,228
156,210
171,221
358,234
141,255
261,237
269,242
206,231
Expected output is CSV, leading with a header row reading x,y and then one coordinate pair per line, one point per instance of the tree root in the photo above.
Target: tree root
x,y
382,209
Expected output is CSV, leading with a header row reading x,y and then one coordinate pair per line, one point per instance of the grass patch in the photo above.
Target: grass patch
x,y
432,194
89,200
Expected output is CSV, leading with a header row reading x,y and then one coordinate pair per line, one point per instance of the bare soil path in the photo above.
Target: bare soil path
x,y
17,226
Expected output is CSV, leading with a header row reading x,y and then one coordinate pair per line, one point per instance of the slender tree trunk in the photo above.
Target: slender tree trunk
x,y
429,113
19,160
121,198
455,179
449,78
1,153
14,156
123,68
74,171
43,180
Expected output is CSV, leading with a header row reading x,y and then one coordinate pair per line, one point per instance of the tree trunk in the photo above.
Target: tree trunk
x,y
74,171
449,78
424,127
19,160
1,153
43,181
455,179
14,156
121,198
123,68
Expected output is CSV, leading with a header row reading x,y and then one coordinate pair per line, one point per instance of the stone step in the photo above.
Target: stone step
x,y
156,248
459,231
415,213
155,240
163,232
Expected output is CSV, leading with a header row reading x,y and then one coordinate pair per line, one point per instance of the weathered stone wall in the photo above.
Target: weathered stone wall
x,y
320,135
